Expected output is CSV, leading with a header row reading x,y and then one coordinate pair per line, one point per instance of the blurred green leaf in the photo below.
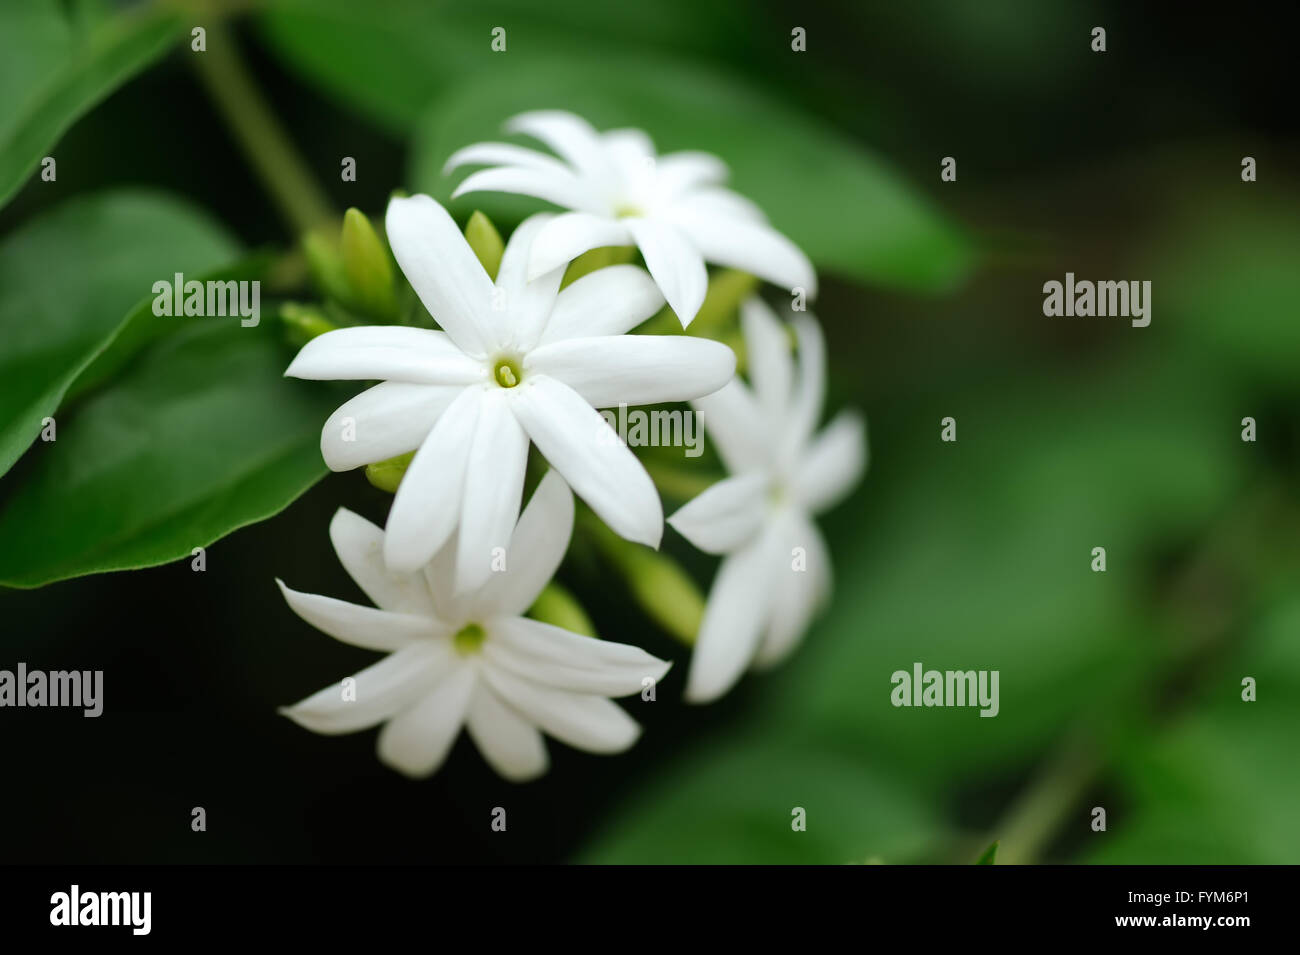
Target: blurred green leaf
x,y
57,61
1228,270
995,533
973,555
736,805
68,279
848,210
202,436
988,856
1220,786
409,51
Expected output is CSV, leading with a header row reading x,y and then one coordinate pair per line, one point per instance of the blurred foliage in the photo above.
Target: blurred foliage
x,y
972,555
798,169
57,60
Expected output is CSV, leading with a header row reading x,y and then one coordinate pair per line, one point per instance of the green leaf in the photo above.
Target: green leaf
x,y
989,856
1219,786
410,50
56,62
736,804
848,210
958,556
202,436
68,279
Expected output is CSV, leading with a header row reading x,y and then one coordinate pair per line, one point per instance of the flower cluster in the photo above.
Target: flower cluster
x,y
520,360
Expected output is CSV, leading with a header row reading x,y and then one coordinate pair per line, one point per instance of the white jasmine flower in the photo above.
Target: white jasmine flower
x,y
672,207
515,362
776,571
470,659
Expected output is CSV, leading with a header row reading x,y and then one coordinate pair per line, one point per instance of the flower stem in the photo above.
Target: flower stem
x,y
264,142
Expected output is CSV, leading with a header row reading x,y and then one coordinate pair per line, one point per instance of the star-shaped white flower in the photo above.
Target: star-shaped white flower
x,y
515,362
776,571
672,207
470,659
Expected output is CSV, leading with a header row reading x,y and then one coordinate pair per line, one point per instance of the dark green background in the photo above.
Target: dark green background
x,y
1119,690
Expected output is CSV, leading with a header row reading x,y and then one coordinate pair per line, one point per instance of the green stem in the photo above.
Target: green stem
x,y
1028,827
265,144
1031,822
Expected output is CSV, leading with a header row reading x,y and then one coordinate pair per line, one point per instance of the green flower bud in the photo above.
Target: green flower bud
x,y
665,592
367,267
727,289
485,240
594,259
658,584
557,606
326,265
387,475
304,322
717,315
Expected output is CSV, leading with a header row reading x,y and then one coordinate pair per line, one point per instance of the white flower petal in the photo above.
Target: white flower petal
x,y
502,154
494,484
540,541
610,301
428,501
719,203
524,304
734,618
833,463
586,722
727,515
390,352
441,267
636,369
810,392
603,473
560,187
569,235
770,365
797,595
360,626
511,745
377,692
630,146
562,660
417,740
382,422
750,246
682,172
736,427
675,263
440,573
360,548
572,138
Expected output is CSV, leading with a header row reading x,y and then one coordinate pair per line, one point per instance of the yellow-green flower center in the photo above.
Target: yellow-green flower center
x,y
507,372
469,639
